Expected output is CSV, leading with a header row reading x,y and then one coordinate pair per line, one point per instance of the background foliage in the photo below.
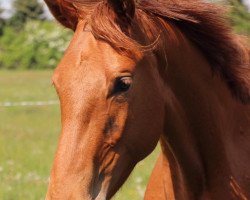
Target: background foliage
x,y
29,40
239,17
26,10
38,46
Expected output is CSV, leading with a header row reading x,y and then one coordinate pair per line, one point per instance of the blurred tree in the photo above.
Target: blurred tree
x,y
25,10
2,21
39,45
240,17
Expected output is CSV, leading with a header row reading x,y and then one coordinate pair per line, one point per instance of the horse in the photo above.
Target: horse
x,y
139,72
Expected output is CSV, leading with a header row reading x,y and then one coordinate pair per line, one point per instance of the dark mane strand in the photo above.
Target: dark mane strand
x,y
205,25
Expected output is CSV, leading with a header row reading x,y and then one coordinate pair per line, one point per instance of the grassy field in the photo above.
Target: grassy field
x,y
28,137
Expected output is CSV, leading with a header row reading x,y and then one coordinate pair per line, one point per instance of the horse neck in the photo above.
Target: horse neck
x,y
207,132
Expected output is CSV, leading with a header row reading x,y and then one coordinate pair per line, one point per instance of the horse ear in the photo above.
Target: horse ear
x,y
56,10
124,9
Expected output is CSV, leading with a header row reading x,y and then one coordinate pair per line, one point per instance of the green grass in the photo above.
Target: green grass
x,y
28,137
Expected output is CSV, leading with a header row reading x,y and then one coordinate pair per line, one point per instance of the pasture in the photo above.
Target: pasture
x,y
28,138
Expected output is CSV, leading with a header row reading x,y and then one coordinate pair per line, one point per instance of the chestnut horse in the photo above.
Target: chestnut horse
x,y
137,72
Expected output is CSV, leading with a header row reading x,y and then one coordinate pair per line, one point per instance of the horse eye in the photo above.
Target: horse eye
x,y
123,84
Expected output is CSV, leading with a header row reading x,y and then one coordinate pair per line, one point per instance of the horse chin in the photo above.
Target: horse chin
x,y
101,196
107,188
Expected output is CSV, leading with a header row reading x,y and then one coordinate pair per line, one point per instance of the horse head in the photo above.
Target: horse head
x,y
110,104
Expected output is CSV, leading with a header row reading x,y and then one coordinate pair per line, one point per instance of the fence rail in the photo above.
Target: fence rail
x,y
29,103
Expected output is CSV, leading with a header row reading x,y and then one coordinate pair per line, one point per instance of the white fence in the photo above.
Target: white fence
x,y
29,103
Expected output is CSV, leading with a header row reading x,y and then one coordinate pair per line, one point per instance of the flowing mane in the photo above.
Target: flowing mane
x,y
202,23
